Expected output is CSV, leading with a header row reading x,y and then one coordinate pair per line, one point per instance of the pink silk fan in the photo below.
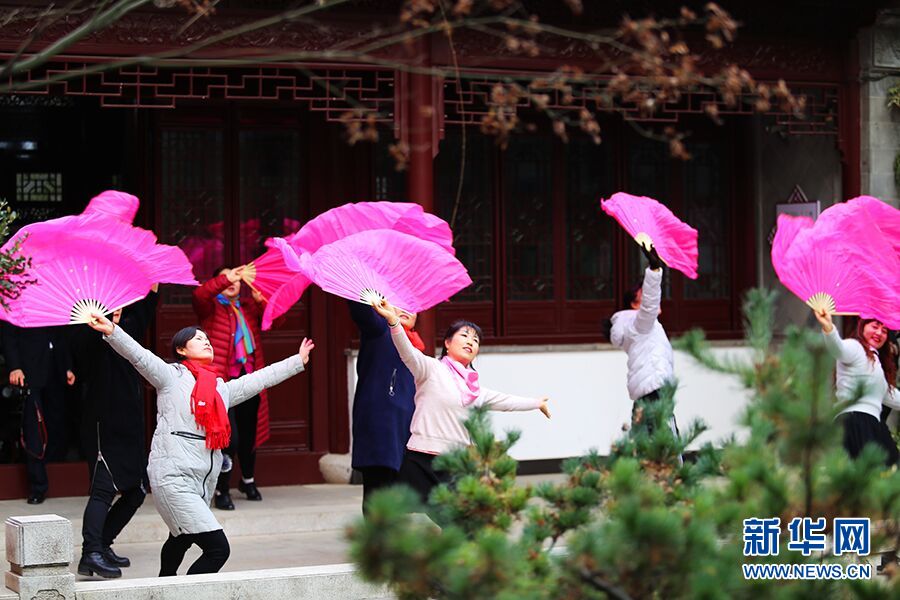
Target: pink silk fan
x,y
650,222
112,203
348,219
89,263
839,263
884,216
411,273
283,287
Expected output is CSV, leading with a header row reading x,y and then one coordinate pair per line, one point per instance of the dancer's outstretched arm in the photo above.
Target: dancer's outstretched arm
x,y
248,386
417,363
501,401
651,291
154,369
204,297
845,351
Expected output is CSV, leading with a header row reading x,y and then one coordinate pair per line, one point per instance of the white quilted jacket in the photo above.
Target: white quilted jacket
x,y
640,334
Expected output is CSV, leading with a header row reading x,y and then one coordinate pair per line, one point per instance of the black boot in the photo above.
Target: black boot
x,y
888,559
92,563
223,501
250,490
113,558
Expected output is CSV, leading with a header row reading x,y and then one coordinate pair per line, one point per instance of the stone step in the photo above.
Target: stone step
x,y
248,552
283,510
337,582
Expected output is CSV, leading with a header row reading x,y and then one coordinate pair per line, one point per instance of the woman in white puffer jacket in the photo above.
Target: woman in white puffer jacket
x,y
639,333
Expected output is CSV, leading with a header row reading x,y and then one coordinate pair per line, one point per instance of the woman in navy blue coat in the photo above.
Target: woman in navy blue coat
x,y
383,404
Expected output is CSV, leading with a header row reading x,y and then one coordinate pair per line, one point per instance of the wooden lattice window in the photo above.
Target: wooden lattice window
x,y
39,187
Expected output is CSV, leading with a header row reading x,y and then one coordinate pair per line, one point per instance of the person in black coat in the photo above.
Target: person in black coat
x,y
38,359
383,404
112,432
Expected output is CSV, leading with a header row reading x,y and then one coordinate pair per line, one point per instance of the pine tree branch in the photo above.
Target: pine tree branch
x,y
603,586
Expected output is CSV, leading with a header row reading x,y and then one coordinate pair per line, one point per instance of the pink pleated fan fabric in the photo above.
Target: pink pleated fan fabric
x,y
841,262
413,274
115,204
89,262
885,216
283,286
645,218
348,219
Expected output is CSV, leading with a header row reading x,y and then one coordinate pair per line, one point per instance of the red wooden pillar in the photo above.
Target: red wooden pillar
x,y
420,111
849,125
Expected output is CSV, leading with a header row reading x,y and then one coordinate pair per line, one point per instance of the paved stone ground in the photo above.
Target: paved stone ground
x,y
294,526
248,552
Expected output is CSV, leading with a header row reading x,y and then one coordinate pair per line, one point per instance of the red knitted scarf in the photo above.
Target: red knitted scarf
x,y
207,406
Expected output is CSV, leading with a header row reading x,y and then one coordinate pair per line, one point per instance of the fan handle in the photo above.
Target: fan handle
x,y
824,300
248,276
370,296
82,310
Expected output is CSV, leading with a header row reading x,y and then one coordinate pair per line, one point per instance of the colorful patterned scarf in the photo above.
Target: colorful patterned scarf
x,y
243,338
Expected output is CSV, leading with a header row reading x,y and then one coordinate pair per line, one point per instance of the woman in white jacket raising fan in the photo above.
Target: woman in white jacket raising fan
x,y
639,333
446,390
866,375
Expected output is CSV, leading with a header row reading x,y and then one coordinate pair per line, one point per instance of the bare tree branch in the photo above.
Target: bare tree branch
x,y
96,23
645,65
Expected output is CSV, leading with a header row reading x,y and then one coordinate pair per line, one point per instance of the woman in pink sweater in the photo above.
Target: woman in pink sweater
x,y
446,390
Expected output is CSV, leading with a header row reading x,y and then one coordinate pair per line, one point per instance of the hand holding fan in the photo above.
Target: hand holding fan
x,y
281,286
651,223
89,263
371,265
839,265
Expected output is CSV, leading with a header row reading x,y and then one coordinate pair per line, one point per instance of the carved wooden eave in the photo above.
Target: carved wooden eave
x,y
336,86
155,31
149,32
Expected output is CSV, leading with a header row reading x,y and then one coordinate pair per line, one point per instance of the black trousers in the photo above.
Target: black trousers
x,y
375,478
673,425
653,397
104,520
44,433
861,429
215,549
243,419
418,473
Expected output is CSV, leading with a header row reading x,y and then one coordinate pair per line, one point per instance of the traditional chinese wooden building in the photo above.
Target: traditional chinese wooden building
x,y
225,151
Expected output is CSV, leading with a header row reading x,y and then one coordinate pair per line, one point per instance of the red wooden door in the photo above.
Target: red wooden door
x,y
227,179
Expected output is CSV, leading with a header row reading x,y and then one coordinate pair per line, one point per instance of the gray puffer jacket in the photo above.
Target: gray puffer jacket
x,y
181,469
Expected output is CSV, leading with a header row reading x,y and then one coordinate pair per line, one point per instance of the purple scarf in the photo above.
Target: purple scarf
x,y
466,380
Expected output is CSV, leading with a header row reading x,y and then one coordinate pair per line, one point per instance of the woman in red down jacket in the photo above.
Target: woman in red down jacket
x,y
232,324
